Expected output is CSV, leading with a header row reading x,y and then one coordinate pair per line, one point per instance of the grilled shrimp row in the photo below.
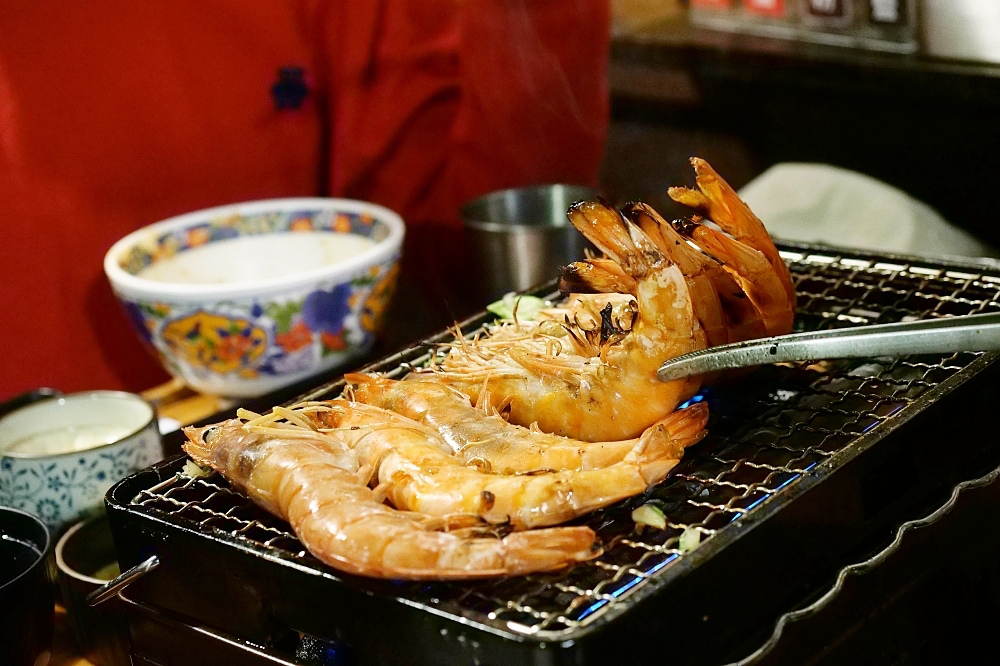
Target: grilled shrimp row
x,y
462,469
313,464
312,482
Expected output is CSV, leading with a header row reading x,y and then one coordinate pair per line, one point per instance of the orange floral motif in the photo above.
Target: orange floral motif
x,y
373,310
333,342
301,224
168,247
342,224
296,338
197,236
214,342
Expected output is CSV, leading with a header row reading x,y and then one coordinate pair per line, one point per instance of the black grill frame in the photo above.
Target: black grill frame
x,y
885,469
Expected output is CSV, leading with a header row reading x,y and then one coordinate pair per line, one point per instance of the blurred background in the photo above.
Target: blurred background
x,y
905,91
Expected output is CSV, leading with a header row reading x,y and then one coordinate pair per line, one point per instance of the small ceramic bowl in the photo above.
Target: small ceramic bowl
x,y
59,457
86,559
248,315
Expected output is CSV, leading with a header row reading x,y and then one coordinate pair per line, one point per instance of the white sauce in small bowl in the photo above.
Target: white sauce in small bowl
x,y
69,439
253,258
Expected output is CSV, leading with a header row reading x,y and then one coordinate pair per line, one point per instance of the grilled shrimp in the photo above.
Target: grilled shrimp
x,y
311,480
722,307
614,394
416,470
491,443
749,254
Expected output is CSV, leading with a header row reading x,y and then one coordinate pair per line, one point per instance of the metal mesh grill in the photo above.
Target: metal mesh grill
x,y
764,436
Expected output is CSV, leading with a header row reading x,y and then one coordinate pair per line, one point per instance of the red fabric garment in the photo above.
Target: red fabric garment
x,y
114,115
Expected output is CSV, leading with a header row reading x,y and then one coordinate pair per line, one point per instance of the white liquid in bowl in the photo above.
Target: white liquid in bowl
x,y
67,440
253,258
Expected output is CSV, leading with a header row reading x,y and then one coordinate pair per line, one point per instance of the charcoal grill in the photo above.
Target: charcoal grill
x,y
807,468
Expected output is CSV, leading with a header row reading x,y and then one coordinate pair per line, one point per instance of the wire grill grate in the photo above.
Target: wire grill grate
x,y
790,420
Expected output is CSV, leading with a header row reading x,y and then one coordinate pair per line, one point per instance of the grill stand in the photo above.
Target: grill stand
x,y
806,469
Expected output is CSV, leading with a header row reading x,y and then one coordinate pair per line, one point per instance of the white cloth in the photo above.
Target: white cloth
x,y
818,203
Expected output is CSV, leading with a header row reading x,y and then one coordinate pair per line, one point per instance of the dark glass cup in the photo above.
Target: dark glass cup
x,y
26,592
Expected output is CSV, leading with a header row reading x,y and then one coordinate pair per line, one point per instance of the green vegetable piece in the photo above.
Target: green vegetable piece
x,y
689,540
650,514
194,470
527,307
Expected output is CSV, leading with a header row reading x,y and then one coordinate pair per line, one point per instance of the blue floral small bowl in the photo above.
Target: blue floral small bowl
x,y
272,292
59,457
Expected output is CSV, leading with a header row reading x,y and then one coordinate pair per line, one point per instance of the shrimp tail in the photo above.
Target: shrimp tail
x,y
551,548
600,276
604,226
661,446
687,424
720,203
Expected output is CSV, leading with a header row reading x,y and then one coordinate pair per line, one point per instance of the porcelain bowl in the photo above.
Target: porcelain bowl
x,y
254,334
113,434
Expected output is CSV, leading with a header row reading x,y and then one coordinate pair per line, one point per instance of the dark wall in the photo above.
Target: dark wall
x,y
931,128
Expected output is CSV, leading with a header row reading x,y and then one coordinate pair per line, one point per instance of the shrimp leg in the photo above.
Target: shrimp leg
x,y
312,483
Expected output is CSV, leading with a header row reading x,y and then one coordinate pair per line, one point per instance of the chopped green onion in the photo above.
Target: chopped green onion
x,y
650,514
194,470
526,307
689,540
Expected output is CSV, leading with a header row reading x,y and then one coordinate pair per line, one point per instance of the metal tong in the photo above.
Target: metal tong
x,y
931,336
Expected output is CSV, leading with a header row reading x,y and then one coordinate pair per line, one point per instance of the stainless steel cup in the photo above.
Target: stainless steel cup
x,y
521,237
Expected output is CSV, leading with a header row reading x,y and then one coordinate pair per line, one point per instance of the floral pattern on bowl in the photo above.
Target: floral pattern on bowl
x,y
234,225
241,341
295,333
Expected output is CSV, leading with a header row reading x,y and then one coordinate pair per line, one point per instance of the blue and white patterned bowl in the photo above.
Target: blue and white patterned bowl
x,y
250,337
116,434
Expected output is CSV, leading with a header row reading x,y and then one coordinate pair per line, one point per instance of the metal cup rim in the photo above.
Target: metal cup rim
x,y
473,220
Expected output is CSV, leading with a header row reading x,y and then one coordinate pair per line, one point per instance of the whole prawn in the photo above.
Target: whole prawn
x,y
598,383
311,480
416,470
614,394
486,440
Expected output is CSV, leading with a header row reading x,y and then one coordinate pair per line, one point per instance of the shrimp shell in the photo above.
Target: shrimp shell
x,y
422,475
749,254
613,394
311,481
487,440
